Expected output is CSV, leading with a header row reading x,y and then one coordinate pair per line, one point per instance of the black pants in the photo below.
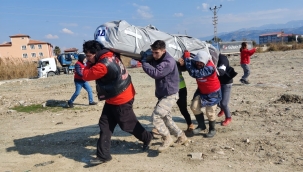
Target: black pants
x,y
182,104
127,120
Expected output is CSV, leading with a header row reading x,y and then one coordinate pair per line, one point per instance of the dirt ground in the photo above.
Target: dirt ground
x,y
265,133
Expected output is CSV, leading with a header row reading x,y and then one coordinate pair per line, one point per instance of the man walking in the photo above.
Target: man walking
x,y
164,70
114,85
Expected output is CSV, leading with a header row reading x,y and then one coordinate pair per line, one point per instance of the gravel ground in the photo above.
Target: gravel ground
x,y
265,133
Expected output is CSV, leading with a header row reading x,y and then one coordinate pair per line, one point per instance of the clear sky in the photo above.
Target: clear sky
x,y
67,23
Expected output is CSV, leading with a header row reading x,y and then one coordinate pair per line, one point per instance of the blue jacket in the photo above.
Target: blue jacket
x,y
165,73
206,99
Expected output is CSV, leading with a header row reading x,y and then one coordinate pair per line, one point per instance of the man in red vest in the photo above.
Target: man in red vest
x,y
208,93
114,85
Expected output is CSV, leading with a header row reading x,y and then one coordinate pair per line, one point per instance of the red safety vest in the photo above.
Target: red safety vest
x,y
209,84
76,76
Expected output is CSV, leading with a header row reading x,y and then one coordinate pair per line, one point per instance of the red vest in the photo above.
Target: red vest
x,y
209,84
76,76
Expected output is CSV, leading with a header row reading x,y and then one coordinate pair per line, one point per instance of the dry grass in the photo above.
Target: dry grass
x,y
284,47
14,68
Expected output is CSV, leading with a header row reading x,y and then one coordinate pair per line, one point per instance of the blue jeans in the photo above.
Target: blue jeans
x,y
86,86
226,90
246,71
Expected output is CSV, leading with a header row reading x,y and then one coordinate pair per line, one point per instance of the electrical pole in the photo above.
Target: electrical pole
x,y
215,21
282,33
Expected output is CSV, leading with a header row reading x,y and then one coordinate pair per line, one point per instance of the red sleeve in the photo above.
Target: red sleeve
x,y
251,52
95,72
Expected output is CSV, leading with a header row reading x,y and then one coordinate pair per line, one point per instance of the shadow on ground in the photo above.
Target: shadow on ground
x,y
78,144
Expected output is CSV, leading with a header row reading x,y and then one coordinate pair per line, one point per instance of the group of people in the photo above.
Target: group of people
x,y
114,85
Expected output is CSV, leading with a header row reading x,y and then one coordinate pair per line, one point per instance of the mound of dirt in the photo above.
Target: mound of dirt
x,y
287,99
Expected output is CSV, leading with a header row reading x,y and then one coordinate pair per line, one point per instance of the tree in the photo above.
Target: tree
x,y
300,39
254,43
208,41
217,39
292,38
57,50
233,40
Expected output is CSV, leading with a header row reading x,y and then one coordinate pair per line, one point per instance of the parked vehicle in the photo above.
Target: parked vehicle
x,y
55,66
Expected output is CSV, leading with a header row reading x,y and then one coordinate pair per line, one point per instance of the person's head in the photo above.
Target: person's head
x,y
243,46
81,57
158,49
90,48
201,59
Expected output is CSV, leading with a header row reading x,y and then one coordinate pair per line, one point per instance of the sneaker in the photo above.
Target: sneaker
x,y
190,128
96,161
181,140
93,103
168,141
221,113
226,122
246,82
242,81
71,105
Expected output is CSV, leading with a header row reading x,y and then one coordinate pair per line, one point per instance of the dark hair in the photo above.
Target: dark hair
x,y
159,44
81,57
243,46
92,46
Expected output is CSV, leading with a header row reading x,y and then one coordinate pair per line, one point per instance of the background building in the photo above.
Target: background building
x,y
274,37
22,46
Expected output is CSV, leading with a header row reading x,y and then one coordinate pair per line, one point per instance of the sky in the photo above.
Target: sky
x,y
68,23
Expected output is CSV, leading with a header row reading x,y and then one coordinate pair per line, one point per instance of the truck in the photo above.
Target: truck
x,y
50,66
233,48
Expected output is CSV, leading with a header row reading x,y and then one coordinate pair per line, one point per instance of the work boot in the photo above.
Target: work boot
x,y
156,134
147,144
190,128
221,113
181,140
201,124
226,122
167,142
211,130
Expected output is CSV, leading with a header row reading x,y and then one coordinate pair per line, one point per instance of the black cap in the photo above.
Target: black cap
x,y
81,57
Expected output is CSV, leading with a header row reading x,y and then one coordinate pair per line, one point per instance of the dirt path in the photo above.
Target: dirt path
x,y
265,134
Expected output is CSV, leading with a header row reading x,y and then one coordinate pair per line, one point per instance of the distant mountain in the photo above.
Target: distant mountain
x,y
292,27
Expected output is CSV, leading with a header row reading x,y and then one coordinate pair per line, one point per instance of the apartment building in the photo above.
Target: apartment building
x,y
22,46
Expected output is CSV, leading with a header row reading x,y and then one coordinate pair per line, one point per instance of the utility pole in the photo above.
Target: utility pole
x,y
215,21
282,33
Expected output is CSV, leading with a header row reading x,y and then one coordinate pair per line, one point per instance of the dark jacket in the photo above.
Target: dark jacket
x,y
226,72
165,73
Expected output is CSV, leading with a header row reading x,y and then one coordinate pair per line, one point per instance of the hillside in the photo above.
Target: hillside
x,y
293,27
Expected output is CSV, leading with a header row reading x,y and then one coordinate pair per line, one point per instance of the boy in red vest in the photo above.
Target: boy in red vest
x,y
79,83
208,94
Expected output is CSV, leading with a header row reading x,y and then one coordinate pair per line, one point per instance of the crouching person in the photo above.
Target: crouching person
x,y
208,93
114,85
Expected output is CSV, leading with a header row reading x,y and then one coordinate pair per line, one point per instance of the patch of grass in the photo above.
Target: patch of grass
x,y
36,108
